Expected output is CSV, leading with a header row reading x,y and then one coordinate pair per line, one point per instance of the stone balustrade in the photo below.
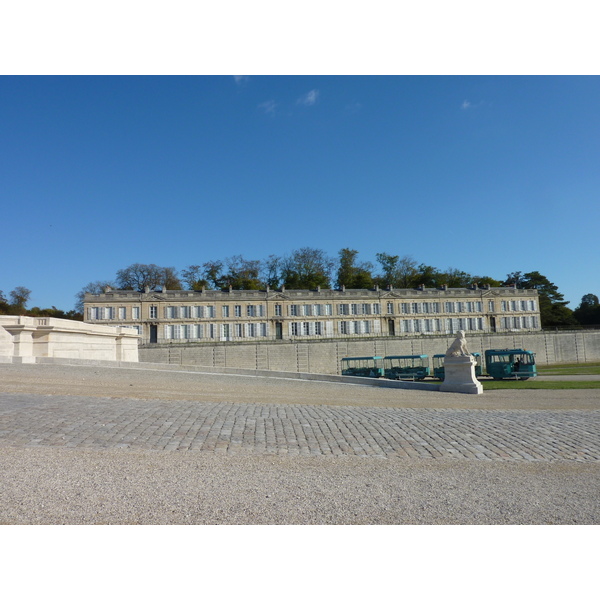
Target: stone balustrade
x,y
26,339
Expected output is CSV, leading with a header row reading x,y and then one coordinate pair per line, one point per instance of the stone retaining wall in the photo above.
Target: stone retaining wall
x,y
323,356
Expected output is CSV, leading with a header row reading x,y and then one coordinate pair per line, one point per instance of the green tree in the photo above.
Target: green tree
x,y
389,268
455,278
397,272
588,311
428,276
242,274
213,272
553,307
19,298
353,275
481,281
306,269
55,313
4,305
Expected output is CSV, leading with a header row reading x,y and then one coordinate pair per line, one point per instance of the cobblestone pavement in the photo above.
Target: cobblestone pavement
x,y
292,429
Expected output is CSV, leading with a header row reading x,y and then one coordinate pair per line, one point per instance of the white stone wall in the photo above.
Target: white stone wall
x,y
25,339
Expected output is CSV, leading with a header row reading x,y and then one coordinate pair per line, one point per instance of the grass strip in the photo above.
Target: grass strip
x,y
570,369
532,384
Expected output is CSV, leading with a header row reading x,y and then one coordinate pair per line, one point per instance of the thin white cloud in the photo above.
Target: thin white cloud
x,y
241,79
468,105
352,109
268,107
309,99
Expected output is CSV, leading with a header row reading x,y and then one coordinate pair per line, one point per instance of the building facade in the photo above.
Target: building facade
x,y
181,316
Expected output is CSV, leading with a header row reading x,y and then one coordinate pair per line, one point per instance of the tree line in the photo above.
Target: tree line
x,y
309,268
306,268
16,304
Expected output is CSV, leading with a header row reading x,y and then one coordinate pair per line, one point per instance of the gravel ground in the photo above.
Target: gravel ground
x,y
198,387
49,485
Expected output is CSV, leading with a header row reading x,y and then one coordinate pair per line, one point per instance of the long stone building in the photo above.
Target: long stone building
x,y
181,316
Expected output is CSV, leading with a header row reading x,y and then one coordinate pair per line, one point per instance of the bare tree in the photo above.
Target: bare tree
x,y
194,277
270,271
94,287
139,276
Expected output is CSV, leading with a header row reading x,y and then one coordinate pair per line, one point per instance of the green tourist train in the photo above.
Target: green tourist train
x,y
510,364
363,366
412,366
438,365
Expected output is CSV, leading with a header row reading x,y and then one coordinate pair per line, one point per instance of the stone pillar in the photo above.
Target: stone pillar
x,y
22,340
126,346
459,375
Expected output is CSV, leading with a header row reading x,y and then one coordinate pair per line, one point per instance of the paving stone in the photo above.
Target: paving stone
x,y
170,425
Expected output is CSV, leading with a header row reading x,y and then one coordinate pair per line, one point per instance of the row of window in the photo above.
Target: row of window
x,y
359,309
442,325
308,310
520,322
517,305
99,313
211,331
407,308
326,328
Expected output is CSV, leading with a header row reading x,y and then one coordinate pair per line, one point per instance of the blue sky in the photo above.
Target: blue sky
x,y
487,174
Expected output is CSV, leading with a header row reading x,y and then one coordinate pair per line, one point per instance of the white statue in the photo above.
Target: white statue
x,y
458,346
459,369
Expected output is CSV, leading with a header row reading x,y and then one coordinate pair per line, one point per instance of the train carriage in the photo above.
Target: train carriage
x,y
412,366
438,365
363,366
510,364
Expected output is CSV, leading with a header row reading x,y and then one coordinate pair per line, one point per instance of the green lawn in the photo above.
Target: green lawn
x,y
592,368
533,384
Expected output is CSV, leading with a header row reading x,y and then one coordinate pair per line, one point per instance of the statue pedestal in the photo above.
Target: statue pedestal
x,y
459,375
